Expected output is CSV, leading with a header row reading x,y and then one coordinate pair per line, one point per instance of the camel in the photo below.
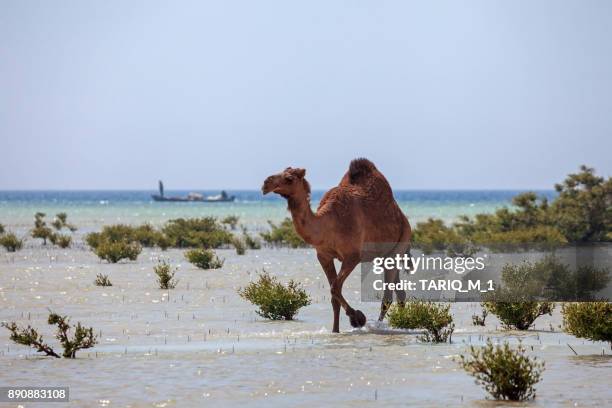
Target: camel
x,y
358,212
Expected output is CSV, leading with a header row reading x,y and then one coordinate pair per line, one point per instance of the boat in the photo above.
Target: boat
x,y
223,197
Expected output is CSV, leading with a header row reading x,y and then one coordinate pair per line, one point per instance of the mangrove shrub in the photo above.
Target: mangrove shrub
x,y
81,337
283,234
275,300
589,320
10,242
505,373
433,317
204,258
114,252
165,275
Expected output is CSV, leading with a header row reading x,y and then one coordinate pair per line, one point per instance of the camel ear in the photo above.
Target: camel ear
x,y
300,173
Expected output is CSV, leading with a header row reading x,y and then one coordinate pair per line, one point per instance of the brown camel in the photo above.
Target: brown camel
x,y
360,211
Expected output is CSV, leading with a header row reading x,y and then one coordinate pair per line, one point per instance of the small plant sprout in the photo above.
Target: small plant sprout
x,y
433,317
102,280
589,320
82,337
240,245
61,221
480,320
165,275
57,238
61,240
505,373
40,228
275,300
204,258
10,242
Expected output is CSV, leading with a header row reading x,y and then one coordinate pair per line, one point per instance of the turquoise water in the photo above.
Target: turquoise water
x,y
90,209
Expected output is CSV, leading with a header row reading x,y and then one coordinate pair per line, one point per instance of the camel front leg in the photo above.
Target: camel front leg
x,y
356,317
327,263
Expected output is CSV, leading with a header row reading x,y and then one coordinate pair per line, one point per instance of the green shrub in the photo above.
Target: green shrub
x,y
82,337
275,301
240,246
582,208
114,252
505,373
10,242
557,281
102,280
197,233
539,238
579,213
518,315
1,229
40,228
61,240
514,301
549,279
145,235
111,233
165,275
589,320
204,258
433,235
93,239
283,235
163,242
231,220
180,233
433,317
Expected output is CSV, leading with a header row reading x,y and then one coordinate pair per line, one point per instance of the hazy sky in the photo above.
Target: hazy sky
x,y
457,94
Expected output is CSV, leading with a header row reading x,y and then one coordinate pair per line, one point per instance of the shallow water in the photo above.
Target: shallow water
x,y
201,344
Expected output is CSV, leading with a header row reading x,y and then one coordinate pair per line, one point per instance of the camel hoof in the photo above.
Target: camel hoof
x,y
358,319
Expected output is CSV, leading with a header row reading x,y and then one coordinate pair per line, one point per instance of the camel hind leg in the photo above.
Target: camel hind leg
x,y
393,275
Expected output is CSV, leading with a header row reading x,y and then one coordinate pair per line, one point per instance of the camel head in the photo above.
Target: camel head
x,y
287,183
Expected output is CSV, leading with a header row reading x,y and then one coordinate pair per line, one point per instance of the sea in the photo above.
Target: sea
x,y
91,209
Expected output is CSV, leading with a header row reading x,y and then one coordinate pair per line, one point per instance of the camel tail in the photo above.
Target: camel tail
x,y
360,168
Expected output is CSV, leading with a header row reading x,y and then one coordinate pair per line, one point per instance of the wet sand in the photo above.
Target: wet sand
x,y
201,344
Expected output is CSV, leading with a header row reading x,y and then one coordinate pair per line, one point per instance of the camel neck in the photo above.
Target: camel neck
x,y
304,220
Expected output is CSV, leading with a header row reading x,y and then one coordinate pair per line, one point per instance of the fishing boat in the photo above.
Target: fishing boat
x,y
223,197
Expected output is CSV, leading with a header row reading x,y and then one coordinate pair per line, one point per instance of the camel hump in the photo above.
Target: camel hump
x,y
360,168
